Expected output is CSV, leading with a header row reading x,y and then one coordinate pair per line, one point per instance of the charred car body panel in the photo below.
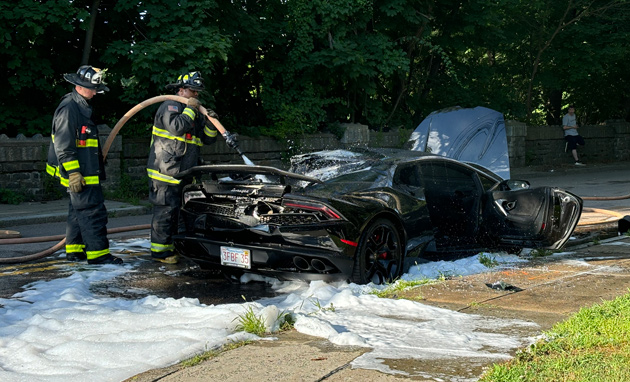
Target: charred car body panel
x,y
371,212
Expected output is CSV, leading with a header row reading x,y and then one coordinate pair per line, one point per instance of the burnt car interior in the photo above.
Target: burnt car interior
x,y
453,198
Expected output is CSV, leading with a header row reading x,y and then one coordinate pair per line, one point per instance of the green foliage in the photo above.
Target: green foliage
x,y
403,136
287,321
31,67
592,345
320,308
393,289
336,129
541,253
199,358
161,45
488,260
286,68
52,189
11,197
213,353
251,323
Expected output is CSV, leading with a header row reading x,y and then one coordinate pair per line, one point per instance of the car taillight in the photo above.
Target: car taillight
x,y
193,195
325,210
350,242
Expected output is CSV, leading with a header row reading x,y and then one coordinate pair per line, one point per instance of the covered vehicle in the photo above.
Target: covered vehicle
x,y
473,135
365,215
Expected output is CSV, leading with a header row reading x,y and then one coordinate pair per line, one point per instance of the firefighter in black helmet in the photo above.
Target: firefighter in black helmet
x,y
179,131
76,159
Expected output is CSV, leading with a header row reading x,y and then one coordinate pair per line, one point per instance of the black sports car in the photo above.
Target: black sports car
x,y
364,215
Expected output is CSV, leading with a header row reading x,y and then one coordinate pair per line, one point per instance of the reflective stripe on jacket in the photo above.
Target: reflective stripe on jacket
x,y
177,136
74,145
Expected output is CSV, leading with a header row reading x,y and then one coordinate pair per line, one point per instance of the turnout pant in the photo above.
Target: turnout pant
x,y
86,229
166,205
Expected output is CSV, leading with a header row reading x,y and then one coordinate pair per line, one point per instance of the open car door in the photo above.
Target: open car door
x,y
453,194
542,217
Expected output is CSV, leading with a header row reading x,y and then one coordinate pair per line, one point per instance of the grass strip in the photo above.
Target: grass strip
x,y
592,345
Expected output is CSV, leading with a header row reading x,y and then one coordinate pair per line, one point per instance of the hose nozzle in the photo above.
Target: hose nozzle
x,y
230,140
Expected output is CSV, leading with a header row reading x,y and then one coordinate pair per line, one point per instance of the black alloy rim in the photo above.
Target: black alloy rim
x,y
382,254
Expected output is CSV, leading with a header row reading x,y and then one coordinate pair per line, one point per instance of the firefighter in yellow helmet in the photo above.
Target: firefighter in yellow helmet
x,y
75,157
179,131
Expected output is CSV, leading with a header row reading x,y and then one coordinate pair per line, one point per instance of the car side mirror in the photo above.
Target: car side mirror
x,y
513,185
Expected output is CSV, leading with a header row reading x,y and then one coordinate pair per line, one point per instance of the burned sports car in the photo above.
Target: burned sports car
x,y
364,215
362,225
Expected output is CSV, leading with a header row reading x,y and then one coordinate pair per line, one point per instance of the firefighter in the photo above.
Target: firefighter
x,y
76,159
179,131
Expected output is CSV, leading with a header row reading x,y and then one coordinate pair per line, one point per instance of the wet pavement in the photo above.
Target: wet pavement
x,y
544,290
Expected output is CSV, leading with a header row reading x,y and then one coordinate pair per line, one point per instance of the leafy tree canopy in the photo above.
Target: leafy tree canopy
x,y
286,67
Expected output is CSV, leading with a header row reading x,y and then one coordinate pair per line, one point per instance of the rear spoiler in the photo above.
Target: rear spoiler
x,y
243,169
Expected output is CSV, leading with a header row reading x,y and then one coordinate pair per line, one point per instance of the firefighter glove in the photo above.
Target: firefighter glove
x,y
193,103
76,182
213,114
230,139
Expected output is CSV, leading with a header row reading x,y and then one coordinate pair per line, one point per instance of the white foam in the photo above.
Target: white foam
x,y
62,330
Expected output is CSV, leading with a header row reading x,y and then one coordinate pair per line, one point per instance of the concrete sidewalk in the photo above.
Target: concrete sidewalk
x,y
543,291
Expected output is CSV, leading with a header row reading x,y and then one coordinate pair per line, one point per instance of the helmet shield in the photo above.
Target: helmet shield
x,y
192,80
87,77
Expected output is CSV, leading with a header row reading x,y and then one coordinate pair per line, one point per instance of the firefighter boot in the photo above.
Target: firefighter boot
x,y
76,256
172,259
106,259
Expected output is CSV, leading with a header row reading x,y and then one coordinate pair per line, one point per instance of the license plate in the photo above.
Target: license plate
x,y
236,257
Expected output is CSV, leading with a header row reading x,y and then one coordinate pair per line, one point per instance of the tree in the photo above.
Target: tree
x,y
39,41
571,13
282,67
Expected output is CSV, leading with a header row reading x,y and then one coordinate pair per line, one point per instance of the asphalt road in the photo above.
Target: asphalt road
x,y
157,278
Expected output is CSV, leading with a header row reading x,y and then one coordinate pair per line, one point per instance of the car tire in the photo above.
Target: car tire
x,y
379,255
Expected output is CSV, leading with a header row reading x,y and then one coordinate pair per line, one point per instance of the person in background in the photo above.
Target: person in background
x,y
76,159
179,131
571,135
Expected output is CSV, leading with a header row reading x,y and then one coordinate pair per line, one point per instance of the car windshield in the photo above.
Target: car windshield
x,y
325,165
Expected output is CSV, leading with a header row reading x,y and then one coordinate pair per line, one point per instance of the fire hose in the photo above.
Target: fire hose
x,y
108,143
602,211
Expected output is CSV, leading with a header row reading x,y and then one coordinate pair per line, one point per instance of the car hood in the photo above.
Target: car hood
x,y
475,135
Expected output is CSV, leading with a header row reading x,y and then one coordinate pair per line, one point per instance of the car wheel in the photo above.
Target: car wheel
x,y
379,254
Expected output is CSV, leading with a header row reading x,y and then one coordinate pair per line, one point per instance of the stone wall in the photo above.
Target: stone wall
x,y
23,160
516,135
545,145
23,163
